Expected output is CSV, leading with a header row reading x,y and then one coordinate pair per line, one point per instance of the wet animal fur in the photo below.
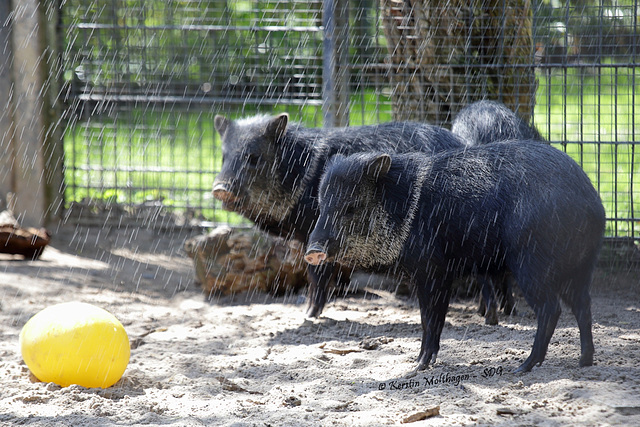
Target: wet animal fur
x,y
522,207
484,122
271,170
289,159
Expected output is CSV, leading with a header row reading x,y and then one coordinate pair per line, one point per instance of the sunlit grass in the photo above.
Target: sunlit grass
x,y
140,157
593,114
589,105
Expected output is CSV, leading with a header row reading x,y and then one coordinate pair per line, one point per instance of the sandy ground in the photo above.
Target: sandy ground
x,y
255,360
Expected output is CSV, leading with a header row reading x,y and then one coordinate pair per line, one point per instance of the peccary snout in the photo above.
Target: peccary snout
x,y
222,192
315,254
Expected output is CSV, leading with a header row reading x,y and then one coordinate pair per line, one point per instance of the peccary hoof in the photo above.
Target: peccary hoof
x,y
491,316
314,310
586,359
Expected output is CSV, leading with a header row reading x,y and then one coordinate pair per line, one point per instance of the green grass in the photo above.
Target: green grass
x,y
594,115
590,105
180,151
140,156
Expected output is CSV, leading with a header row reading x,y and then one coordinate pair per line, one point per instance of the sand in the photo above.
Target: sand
x,y
255,360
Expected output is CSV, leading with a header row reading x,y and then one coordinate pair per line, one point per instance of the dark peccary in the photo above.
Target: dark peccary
x,y
271,170
484,122
522,207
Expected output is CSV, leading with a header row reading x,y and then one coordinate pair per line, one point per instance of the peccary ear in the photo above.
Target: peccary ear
x,y
379,166
221,123
278,125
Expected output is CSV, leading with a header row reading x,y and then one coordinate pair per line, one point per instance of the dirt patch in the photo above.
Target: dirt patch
x,y
252,359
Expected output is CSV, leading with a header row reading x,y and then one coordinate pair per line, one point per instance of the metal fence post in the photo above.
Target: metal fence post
x,y
335,72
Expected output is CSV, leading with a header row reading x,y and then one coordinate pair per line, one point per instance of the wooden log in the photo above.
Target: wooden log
x,y
15,240
229,261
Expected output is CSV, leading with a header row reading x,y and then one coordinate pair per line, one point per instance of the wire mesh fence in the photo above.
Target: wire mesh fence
x,y
144,80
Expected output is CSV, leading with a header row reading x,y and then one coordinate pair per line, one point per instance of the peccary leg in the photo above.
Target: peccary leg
x,y
547,308
506,288
433,297
490,311
322,278
581,308
482,306
580,303
496,289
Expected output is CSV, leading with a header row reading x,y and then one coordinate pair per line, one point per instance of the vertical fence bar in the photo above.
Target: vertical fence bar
x,y
635,47
53,149
335,71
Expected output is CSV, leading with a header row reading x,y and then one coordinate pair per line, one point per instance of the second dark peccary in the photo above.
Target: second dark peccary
x,y
271,170
522,207
480,123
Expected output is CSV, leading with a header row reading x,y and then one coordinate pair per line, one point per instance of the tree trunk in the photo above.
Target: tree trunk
x,y
445,54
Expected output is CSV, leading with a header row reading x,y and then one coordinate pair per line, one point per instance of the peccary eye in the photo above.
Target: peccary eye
x,y
253,160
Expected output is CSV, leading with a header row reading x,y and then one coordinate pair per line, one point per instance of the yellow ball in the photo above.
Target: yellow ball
x,y
75,343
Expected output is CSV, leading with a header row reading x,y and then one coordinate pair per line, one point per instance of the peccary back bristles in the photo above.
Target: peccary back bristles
x,y
484,122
